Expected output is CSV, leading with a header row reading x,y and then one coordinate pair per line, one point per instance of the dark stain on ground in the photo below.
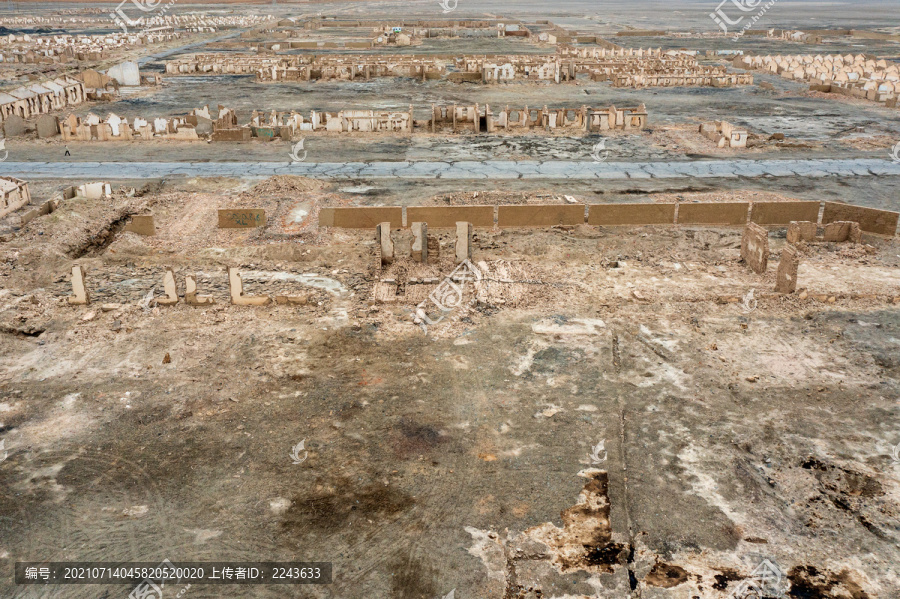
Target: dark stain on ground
x,y
666,576
604,556
808,583
727,575
346,505
587,524
554,359
413,579
414,438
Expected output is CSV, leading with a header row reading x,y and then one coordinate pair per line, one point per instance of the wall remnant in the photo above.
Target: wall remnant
x,y
236,286
190,293
170,287
242,218
802,231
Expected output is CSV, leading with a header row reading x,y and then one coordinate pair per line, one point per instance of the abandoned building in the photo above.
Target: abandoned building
x,y
724,134
856,76
13,195
41,98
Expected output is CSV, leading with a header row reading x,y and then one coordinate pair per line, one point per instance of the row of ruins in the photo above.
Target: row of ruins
x,y
856,76
199,124
624,68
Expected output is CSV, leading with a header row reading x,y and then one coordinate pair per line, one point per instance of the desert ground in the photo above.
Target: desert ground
x,y
611,412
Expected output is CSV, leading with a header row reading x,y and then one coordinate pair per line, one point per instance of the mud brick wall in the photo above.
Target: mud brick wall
x,y
446,217
783,213
361,217
540,216
871,220
719,213
631,214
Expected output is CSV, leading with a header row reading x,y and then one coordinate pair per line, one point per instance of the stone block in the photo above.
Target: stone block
x,y
142,224
713,213
242,218
838,231
80,295
540,215
786,279
782,213
446,217
631,214
871,220
755,248
802,231
362,217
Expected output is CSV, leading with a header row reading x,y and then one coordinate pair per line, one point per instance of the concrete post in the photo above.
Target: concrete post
x,y
420,242
385,243
463,241
80,295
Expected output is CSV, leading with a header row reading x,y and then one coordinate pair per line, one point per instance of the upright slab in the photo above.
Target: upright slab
x,y
871,220
385,244
142,224
786,279
362,217
80,295
246,218
782,213
540,215
419,248
755,248
464,232
446,217
713,213
631,214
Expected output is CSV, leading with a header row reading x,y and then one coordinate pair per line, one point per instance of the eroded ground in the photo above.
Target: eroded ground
x,y
735,428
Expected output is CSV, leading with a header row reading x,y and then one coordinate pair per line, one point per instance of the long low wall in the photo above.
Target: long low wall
x,y
871,220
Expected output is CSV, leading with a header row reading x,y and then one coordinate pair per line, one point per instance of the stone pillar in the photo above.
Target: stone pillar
x,y
420,242
463,241
755,248
190,293
237,291
786,279
385,243
80,295
171,289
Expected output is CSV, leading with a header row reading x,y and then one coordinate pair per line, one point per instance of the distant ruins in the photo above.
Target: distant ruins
x,y
724,134
854,76
199,124
13,195
41,98
623,67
